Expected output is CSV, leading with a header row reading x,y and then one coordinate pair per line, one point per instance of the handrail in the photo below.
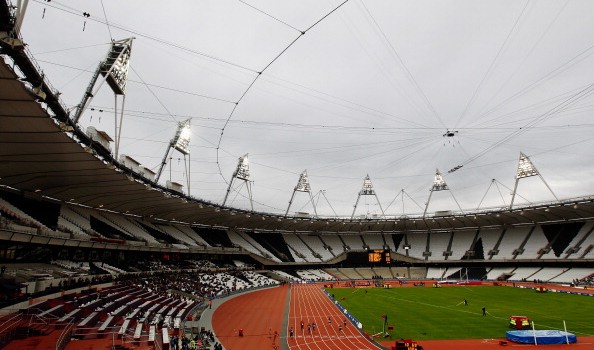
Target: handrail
x,y
65,336
11,322
157,343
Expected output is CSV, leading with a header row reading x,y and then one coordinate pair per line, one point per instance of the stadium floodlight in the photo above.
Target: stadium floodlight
x,y
439,184
303,186
181,140
242,172
367,190
303,183
527,169
116,65
181,143
367,187
113,69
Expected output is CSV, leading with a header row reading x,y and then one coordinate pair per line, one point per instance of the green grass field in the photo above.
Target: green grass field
x,y
439,313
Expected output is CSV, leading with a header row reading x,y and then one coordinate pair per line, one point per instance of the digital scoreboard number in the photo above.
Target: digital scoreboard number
x,y
379,256
375,256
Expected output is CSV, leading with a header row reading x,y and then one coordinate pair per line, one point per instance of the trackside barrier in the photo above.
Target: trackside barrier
x,y
347,314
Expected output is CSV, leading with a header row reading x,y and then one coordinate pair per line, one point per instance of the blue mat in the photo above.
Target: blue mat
x,y
542,337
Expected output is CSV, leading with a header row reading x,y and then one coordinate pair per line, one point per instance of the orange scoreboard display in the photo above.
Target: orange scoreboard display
x,y
379,256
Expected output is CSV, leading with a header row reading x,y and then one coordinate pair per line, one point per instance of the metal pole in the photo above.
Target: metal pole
x,y
459,207
485,195
115,125
327,201
565,329
355,208
228,190
290,201
500,194
88,96
428,201
249,188
514,194
163,162
380,205
119,134
187,178
20,15
546,184
313,204
189,173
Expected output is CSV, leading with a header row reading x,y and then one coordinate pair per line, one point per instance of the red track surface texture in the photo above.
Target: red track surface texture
x,y
309,304
259,314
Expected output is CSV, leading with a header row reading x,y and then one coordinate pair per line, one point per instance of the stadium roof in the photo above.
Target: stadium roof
x,y
44,155
40,159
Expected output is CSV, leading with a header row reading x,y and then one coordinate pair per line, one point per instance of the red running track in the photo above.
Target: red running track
x,y
259,314
309,304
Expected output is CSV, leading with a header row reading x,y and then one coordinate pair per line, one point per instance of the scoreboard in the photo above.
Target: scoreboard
x,y
379,256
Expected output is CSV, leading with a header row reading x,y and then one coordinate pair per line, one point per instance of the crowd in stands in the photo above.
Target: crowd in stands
x,y
199,341
199,278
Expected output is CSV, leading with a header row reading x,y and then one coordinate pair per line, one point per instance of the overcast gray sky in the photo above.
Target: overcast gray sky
x,y
370,89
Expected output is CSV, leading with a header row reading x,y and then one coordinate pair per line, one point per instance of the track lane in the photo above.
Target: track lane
x,y
310,304
259,314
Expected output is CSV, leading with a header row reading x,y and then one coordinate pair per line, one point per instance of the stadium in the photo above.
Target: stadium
x,y
170,208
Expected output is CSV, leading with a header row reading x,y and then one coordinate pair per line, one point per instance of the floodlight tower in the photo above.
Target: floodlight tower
x,y
114,71
367,190
181,143
439,184
527,169
303,186
242,172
